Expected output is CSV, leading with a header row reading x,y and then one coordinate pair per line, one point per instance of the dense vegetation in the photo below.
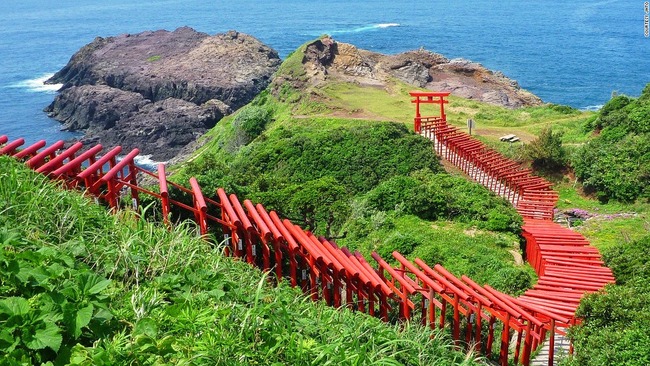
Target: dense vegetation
x,y
443,219
366,183
81,287
616,163
616,329
546,153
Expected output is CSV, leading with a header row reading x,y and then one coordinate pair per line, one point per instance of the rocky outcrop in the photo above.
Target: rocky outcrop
x,y
114,117
159,90
327,58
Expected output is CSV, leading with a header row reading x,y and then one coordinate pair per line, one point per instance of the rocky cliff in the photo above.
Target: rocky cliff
x,y
325,59
159,91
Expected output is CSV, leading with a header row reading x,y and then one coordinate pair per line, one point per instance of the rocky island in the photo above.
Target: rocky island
x,y
160,90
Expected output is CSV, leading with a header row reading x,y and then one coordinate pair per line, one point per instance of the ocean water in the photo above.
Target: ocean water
x,y
576,53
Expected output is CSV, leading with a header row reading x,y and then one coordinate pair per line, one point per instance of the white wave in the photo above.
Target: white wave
x,y
592,108
363,29
146,162
387,25
37,85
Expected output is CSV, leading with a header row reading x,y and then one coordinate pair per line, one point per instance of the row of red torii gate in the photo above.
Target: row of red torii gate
x,y
478,317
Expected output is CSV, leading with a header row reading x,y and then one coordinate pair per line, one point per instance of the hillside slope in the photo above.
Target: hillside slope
x,y
81,287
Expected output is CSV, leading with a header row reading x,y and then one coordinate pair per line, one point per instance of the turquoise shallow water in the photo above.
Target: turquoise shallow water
x,y
574,53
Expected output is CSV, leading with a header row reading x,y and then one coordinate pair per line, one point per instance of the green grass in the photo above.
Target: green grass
x,y
611,223
462,249
174,299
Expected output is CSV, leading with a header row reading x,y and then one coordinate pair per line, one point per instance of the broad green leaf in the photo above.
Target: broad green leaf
x,y
217,293
99,287
7,340
56,270
93,284
14,306
146,326
83,318
50,337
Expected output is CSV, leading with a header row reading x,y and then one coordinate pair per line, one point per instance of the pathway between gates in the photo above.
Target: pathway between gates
x,y
478,317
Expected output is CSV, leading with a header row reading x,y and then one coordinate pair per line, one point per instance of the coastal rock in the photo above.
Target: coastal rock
x,y
115,117
166,87
327,58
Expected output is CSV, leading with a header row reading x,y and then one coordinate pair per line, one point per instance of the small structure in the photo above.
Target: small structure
x,y
509,138
426,97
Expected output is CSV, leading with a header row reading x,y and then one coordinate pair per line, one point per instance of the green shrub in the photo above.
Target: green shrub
x,y
402,243
320,205
615,164
546,151
440,196
616,328
249,123
48,302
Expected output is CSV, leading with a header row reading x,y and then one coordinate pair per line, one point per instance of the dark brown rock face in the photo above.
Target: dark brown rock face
x,y
159,90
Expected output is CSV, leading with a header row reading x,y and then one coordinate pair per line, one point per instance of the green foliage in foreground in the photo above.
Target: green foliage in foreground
x,y
130,292
616,329
616,163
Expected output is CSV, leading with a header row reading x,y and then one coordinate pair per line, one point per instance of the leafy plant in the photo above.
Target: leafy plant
x,y
616,163
49,304
546,152
615,327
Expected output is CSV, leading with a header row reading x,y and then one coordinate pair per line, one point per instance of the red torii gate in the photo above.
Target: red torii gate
x,y
428,98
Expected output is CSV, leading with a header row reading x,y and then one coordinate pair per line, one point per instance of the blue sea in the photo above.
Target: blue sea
x,y
568,52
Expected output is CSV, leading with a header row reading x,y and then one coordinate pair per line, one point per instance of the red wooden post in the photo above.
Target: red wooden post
x,y
551,343
199,206
478,325
505,341
432,310
112,194
133,180
518,346
456,331
443,313
527,345
383,307
469,327
424,308
490,339
164,193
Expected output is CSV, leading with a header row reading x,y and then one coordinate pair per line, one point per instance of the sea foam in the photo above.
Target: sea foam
x,y
364,28
592,108
38,85
146,162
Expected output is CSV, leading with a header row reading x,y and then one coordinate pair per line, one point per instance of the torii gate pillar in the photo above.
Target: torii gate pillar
x,y
428,98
